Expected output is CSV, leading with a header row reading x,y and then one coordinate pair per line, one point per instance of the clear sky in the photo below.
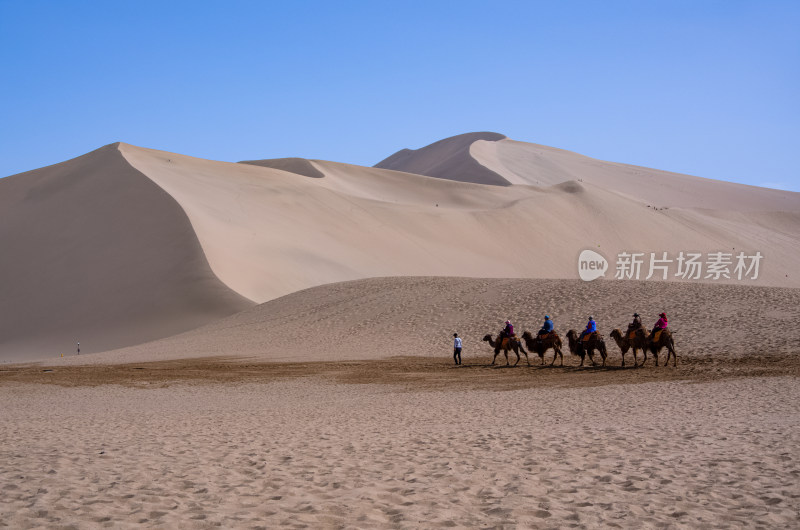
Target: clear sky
x,y
709,88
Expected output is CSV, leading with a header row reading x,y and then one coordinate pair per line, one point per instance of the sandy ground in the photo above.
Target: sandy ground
x,y
359,445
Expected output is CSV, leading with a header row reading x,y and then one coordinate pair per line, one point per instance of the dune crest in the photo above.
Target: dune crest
x,y
97,253
448,159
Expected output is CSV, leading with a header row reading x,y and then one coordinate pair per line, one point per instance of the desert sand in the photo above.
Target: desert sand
x,y
270,345
299,413
319,453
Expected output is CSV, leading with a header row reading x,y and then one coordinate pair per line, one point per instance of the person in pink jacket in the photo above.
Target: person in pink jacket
x,y
661,324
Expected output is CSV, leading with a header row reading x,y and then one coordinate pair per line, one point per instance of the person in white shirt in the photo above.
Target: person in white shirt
x,y
457,348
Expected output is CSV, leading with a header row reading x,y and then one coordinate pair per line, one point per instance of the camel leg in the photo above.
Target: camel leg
x,y
505,352
517,352
527,359
496,353
623,359
560,356
555,354
591,357
635,360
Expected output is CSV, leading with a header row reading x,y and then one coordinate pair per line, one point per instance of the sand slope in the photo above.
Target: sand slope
x,y
94,252
506,162
269,232
384,317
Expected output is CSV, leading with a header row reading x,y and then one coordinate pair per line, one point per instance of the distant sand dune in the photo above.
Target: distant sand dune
x,y
126,244
448,159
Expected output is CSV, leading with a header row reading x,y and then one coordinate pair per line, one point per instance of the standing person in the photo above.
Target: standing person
x,y
456,348
79,348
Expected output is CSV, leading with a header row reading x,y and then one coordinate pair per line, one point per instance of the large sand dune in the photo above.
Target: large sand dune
x,y
503,161
93,251
128,244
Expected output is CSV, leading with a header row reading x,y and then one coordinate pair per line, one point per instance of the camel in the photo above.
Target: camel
x,y
595,342
507,343
540,345
625,343
664,341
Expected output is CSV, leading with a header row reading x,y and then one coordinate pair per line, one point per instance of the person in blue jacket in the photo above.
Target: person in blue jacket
x,y
547,327
591,327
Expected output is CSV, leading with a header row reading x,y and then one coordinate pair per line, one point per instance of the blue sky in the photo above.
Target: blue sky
x,y
701,87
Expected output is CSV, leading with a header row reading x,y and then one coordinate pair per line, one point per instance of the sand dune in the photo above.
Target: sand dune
x,y
94,252
267,232
525,163
448,159
334,403
384,317
511,162
102,255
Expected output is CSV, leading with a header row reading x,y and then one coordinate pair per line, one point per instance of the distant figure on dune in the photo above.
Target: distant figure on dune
x,y
456,348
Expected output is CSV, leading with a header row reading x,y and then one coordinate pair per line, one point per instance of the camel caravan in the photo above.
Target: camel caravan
x,y
586,343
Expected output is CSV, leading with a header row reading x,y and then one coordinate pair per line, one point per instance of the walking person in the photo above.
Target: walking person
x,y
456,348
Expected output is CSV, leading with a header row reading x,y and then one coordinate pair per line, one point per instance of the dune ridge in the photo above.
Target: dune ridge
x,y
95,252
448,159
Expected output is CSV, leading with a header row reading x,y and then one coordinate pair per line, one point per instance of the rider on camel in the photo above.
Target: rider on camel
x,y
591,327
636,324
508,330
547,327
661,324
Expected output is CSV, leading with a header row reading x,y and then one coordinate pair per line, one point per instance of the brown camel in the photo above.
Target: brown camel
x,y
582,348
539,345
507,343
627,342
664,341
